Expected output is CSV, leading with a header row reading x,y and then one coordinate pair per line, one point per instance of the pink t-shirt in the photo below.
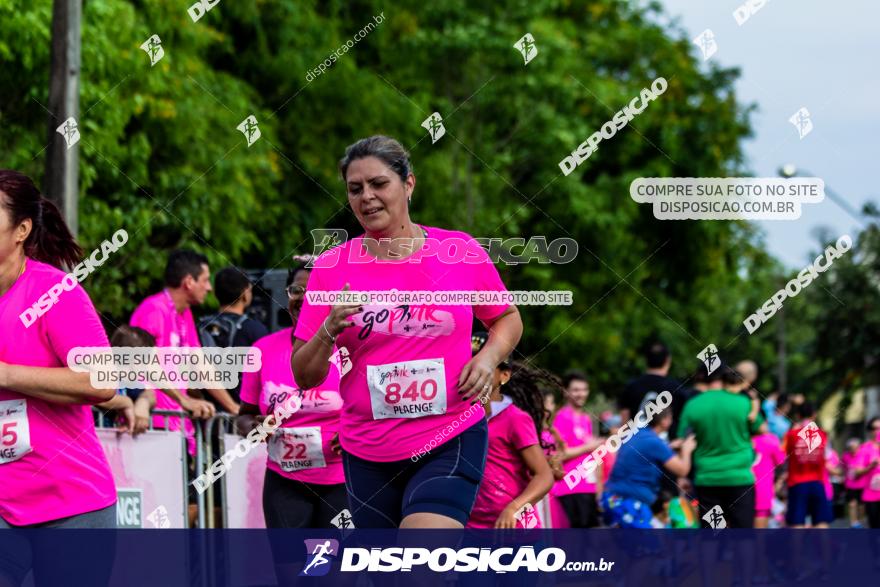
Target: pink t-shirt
x,y
576,429
51,463
869,452
405,359
832,459
506,474
158,316
308,458
768,456
850,464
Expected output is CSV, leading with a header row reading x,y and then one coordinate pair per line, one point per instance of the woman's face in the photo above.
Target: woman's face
x,y
12,236
295,301
377,196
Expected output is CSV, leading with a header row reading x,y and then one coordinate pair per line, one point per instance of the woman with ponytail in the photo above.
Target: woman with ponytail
x,y
517,475
53,471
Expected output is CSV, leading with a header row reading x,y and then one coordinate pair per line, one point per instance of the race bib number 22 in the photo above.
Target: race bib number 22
x,y
295,449
409,389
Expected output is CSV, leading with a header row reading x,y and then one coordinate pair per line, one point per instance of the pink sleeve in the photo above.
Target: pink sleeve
x,y
150,319
486,279
522,432
250,387
589,426
311,316
74,322
777,455
833,459
564,427
192,333
864,456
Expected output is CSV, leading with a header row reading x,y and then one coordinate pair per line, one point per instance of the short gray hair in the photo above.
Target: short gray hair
x,y
386,149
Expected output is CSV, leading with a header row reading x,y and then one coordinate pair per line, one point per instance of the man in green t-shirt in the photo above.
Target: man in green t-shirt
x,y
723,422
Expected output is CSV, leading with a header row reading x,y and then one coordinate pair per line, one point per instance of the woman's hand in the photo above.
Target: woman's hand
x,y
200,409
555,461
476,377
245,423
125,417
141,413
337,321
507,519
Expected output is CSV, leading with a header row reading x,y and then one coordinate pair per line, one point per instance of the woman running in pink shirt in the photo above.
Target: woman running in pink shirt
x,y
52,468
517,474
413,449
53,472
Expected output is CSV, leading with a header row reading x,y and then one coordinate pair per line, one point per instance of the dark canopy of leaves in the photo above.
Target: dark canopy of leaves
x,y
161,156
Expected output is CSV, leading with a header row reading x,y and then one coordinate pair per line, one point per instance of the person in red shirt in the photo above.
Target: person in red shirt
x,y
804,446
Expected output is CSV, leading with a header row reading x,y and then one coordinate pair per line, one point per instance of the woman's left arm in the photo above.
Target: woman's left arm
x,y
58,385
504,333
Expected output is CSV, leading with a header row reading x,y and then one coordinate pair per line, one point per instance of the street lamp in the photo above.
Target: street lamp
x,y
791,170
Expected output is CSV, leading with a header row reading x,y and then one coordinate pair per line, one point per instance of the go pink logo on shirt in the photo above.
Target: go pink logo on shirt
x,y
404,320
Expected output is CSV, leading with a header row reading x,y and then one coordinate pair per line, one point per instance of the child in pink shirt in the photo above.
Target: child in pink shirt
x,y
768,456
517,475
305,485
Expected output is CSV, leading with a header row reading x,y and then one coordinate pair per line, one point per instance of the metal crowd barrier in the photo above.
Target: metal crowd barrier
x,y
99,424
226,423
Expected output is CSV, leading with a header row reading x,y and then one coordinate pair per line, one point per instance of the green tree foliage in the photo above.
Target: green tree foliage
x,y
161,156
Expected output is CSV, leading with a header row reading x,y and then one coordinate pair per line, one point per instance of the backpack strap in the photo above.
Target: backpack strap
x,y
236,326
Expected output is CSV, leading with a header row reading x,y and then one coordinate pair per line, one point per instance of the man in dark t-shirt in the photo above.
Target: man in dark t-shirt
x,y
653,381
234,292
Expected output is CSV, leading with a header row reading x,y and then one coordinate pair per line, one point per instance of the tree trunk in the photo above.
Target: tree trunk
x,y
61,183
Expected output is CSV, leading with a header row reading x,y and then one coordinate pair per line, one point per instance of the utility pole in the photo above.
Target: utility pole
x,y
61,183
780,353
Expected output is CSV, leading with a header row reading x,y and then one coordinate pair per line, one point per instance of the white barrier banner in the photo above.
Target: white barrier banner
x,y
148,471
244,509
244,486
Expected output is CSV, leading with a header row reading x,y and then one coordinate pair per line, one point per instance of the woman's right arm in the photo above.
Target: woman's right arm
x,y
310,360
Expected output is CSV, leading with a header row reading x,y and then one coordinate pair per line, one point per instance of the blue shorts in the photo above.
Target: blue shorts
x,y
445,481
808,498
624,512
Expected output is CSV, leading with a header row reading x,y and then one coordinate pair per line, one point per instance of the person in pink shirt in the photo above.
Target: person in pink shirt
x,y
768,456
869,467
517,474
167,315
576,430
305,485
53,472
853,484
413,449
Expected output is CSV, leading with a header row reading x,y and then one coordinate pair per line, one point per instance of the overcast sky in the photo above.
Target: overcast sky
x,y
821,55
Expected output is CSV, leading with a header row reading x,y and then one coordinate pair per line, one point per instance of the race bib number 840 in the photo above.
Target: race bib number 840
x,y
409,389
15,434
